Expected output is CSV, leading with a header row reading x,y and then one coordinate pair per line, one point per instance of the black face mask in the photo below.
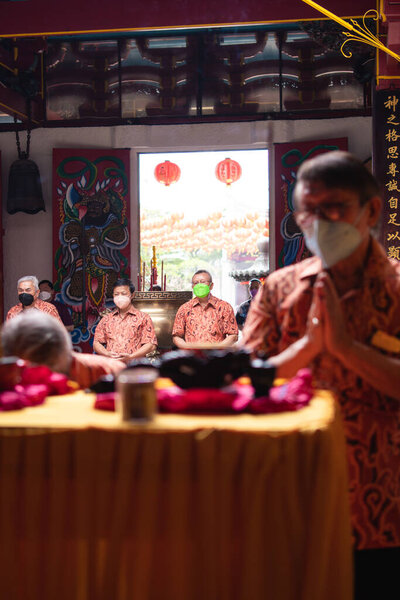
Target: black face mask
x,y
26,299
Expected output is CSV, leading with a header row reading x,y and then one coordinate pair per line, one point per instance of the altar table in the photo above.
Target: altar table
x,y
230,507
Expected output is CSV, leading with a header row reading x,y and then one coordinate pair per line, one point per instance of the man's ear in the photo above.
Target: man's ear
x,y
211,285
374,210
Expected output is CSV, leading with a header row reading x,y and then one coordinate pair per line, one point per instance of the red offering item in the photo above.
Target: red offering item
x,y
34,384
105,401
237,398
10,372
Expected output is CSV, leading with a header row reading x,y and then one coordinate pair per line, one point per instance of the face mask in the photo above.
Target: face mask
x,y
201,290
44,296
253,292
26,299
122,301
332,241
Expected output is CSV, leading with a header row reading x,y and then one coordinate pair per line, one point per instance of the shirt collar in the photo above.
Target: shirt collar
x,y
131,310
211,300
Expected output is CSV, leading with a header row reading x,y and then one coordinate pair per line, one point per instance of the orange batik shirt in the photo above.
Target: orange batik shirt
x,y
38,304
211,323
277,318
124,334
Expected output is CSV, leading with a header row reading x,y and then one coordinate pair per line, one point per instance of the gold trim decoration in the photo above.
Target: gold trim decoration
x,y
357,33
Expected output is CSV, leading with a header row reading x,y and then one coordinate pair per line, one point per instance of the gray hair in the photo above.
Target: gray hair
x,y
32,278
39,338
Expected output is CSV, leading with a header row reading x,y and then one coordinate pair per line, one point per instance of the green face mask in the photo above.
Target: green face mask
x,y
201,290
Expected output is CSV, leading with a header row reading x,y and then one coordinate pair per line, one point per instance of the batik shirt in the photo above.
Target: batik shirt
x,y
124,334
277,318
210,323
45,307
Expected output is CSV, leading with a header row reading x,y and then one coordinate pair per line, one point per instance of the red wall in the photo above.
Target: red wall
x,y
47,16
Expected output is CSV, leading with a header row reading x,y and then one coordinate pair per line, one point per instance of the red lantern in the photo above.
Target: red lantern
x,y
228,171
167,172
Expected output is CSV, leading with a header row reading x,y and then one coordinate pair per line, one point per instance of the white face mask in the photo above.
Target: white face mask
x,y
44,296
122,301
332,241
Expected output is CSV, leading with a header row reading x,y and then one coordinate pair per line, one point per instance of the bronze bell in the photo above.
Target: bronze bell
x,y
24,187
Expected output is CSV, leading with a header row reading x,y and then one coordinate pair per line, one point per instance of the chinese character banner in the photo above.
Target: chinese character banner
x,y
90,232
386,166
1,253
289,240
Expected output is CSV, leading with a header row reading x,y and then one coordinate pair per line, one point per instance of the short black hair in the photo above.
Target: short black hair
x,y
125,282
340,170
202,271
49,283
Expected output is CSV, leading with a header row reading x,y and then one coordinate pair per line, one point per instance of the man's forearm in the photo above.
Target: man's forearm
x,y
380,371
143,350
230,340
295,357
100,349
179,342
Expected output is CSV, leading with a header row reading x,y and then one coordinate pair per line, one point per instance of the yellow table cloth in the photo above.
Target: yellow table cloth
x,y
237,507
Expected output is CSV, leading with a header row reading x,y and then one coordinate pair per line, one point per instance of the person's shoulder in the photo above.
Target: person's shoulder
x,y
187,305
381,266
243,305
108,314
221,303
14,310
46,307
140,313
310,266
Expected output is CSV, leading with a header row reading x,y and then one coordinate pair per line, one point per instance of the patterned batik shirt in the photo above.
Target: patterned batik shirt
x,y
278,317
210,323
124,334
45,307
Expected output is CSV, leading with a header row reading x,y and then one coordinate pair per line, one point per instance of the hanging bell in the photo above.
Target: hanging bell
x,y
24,187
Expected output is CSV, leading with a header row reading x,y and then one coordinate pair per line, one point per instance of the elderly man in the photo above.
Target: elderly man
x,y
28,296
339,313
43,340
205,319
125,333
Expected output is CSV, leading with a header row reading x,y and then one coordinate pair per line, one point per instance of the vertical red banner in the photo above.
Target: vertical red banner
x,y
289,241
91,207
1,254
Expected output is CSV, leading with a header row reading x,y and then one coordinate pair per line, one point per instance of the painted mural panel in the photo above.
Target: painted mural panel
x,y
91,243
289,240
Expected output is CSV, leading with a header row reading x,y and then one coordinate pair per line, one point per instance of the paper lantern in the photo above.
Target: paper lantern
x,y
228,171
167,172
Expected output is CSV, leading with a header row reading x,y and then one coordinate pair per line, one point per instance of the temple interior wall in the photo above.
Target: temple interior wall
x,y
27,240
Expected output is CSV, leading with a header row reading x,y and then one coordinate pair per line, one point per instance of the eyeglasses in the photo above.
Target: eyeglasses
x,y
330,212
196,282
